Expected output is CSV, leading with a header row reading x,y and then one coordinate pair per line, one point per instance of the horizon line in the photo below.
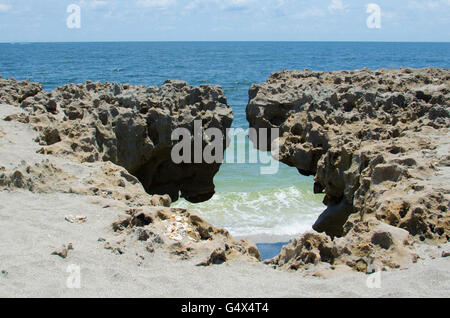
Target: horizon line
x,y
217,41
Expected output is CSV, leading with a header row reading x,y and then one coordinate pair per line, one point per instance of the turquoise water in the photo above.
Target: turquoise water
x,y
246,202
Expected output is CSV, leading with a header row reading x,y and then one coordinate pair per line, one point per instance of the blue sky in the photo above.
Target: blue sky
x,y
224,20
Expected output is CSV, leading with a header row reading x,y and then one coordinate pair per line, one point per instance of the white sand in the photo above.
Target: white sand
x,y
33,226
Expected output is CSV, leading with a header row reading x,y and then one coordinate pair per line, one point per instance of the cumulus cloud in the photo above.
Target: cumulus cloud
x,y
312,12
428,4
223,5
4,7
98,3
157,4
336,5
94,4
236,4
193,5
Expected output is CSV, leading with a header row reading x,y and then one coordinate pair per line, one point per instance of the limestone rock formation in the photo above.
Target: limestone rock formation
x,y
146,225
182,232
130,126
14,92
370,246
104,180
377,144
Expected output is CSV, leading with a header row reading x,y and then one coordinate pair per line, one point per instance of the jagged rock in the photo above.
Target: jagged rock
x,y
105,180
184,233
43,177
131,126
332,220
368,246
49,136
217,257
310,248
161,200
377,143
114,142
110,181
63,251
14,92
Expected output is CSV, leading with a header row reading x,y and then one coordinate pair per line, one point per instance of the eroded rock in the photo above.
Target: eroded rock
x,y
183,233
369,246
114,146
105,180
63,252
14,92
131,126
377,143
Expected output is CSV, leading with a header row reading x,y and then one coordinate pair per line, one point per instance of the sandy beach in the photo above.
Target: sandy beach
x,y
39,228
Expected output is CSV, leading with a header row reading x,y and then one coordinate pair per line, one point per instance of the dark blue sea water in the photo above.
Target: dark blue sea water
x,y
233,65
247,203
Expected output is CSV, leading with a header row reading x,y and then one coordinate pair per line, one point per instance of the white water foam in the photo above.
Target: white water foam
x,y
269,212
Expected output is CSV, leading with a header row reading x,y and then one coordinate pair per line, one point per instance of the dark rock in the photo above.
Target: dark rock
x,y
332,220
383,239
130,126
217,257
375,142
63,251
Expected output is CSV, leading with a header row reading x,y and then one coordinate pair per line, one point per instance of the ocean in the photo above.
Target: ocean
x,y
269,208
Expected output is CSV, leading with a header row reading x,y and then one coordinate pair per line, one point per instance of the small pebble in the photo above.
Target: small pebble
x,y
63,251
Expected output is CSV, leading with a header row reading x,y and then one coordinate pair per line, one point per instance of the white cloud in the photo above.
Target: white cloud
x,y
428,4
236,3
195,4
94,4
336,5
224,5
388,14
312,12
98,3
157,4
4,7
